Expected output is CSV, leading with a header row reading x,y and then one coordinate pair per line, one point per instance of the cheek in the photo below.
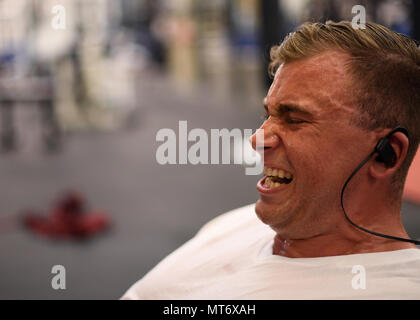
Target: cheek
x,y
290,144
312,165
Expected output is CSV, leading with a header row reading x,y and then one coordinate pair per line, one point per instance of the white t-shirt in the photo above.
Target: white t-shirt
x,y
231,258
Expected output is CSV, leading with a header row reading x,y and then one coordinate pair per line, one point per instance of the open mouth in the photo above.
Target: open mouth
x,y
275,177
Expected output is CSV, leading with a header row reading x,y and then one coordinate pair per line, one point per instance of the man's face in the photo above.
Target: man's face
x,y
308,135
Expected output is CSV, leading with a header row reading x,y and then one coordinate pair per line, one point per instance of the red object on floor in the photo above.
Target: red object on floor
x,y
412,184
67,219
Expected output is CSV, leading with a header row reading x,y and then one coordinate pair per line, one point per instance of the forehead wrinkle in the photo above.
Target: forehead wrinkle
x,y
319,82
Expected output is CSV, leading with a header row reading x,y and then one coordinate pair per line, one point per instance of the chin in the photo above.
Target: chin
x,y
270,213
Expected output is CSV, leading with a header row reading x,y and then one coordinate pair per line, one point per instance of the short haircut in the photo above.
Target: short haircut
x,y
384,67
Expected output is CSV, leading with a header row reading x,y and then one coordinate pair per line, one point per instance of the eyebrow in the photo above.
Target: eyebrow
x,y
283,108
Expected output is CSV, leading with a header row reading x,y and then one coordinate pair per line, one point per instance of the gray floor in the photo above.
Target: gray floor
x,y
154,208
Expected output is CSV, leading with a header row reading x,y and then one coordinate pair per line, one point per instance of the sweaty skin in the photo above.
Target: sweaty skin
x,y
321,147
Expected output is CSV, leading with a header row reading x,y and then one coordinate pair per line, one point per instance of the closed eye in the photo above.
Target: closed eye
x,y
287,118
294,121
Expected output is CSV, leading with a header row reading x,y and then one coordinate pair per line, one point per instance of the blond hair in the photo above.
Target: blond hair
x,y
385,69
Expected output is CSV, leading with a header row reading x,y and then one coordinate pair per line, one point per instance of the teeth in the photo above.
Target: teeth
x,y
277,173
271,184
281,173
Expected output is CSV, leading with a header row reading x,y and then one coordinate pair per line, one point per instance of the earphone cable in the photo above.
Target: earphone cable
x,y
417,242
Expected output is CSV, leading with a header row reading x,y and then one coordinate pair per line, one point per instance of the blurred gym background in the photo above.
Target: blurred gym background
x,y
82,96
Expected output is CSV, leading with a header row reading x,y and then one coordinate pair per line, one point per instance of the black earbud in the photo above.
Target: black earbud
x,y
386,153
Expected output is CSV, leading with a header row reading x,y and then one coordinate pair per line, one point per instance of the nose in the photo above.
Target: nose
x,y
269,138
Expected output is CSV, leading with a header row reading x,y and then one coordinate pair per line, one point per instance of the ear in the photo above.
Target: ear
x,y
399,142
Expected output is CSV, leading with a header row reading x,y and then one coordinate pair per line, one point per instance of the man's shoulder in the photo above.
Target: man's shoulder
x,y
219,242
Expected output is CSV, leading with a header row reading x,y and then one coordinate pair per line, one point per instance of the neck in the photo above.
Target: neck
x,y
342,238
333,245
